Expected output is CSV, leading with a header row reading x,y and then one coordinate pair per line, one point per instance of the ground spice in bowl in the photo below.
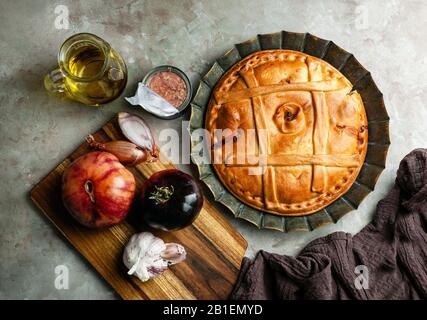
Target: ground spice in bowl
x,y
170,86
164,92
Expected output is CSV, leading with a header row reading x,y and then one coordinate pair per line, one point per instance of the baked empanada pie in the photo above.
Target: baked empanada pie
x,y
288,134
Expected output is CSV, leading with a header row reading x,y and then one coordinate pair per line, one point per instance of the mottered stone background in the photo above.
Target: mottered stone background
x,y
37,131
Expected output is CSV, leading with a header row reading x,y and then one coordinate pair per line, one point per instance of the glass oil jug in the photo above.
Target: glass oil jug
x,y
90,71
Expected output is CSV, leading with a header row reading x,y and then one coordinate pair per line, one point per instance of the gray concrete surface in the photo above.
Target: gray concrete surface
x,y
37,131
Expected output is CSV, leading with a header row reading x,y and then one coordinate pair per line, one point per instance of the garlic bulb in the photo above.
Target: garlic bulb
x,y
146,256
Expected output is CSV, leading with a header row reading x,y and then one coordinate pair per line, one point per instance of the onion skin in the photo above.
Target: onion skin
x,y
98,190
127,152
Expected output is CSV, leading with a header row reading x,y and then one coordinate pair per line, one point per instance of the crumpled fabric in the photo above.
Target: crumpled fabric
x,y
386,260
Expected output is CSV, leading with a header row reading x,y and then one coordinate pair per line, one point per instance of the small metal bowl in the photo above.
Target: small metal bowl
x,y
183,76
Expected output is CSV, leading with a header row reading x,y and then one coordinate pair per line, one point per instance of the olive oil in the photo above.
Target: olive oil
x,y
86,61
90,71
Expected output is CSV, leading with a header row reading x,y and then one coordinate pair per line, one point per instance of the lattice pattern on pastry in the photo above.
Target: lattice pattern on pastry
x,y
319,159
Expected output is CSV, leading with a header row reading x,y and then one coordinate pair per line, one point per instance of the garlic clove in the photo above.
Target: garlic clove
x,y
174,253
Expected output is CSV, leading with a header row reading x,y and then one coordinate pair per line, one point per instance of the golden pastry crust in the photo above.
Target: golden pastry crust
x,y
310,128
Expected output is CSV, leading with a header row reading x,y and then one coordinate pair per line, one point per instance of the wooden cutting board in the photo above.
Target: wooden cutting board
x,y
214,248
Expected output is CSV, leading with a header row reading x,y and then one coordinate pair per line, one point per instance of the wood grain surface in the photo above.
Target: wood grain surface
x,y
214,248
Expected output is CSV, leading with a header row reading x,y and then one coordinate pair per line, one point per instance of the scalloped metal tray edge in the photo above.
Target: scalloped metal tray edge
x,y
378,128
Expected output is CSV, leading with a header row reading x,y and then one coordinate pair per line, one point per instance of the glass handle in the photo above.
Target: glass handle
x,y
54,82
115,74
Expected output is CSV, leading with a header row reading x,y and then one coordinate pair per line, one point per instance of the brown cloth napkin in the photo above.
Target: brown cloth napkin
x,y
393,247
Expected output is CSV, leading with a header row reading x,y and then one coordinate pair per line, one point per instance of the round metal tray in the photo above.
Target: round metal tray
x,y
378,128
